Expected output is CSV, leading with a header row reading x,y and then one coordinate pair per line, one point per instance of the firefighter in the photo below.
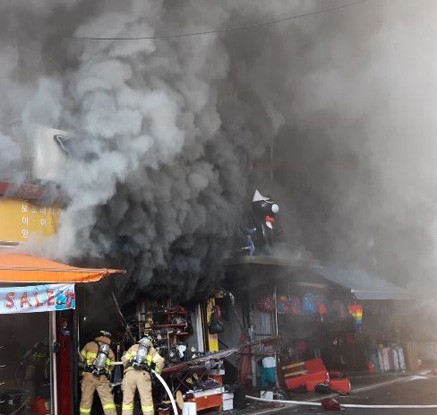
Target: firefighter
x,y
97,357
33,371
138,362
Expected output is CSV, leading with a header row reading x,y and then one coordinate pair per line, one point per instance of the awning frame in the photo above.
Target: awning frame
x,y
21,268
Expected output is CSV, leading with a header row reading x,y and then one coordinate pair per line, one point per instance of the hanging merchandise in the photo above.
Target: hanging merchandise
x,y
283,304
266,303
339,310
322,310
244,362
398,358
309,304
321,306
356,311
385,359
296,307
215,325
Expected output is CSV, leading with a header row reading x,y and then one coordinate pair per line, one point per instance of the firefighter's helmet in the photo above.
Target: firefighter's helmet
x,y
105,334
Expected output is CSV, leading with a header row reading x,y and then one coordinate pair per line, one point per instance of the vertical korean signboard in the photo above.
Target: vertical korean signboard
x,y
21,220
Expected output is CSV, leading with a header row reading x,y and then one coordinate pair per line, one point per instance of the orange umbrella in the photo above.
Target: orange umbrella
x,y
19,268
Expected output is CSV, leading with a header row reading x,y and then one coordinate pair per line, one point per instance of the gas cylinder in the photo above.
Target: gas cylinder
x,y
371,367
41,406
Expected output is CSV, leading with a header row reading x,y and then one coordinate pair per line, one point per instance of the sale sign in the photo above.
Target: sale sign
x,y
37,298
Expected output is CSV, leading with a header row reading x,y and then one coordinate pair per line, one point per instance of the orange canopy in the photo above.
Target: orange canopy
x,y
18,268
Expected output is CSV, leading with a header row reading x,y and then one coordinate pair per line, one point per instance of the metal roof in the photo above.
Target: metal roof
x,y
363,286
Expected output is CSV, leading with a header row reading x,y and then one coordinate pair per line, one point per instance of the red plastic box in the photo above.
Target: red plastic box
x,y
317,373
342,386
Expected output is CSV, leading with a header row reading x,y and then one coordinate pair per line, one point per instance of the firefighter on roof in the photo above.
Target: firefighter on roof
x,y
138,362
97,357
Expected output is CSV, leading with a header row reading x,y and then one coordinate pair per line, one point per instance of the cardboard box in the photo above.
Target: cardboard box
x,y
266,395
228,395
228,405
190,408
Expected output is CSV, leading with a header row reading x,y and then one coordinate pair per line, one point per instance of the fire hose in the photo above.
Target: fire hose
x,y
345,405
167,389
164,384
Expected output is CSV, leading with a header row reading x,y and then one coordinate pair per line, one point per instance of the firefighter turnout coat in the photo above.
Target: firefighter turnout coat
x,y
139,379
91,383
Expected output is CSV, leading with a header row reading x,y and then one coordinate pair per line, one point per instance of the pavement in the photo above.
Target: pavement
x,y
386,389
417,390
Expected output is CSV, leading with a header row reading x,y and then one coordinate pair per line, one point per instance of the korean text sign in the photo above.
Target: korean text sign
x,y
21,221
37,298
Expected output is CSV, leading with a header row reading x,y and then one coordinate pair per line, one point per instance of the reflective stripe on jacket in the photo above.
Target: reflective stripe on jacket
x,y
91,349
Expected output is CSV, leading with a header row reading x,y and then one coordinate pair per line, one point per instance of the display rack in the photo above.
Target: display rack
x,y
167,323
173,331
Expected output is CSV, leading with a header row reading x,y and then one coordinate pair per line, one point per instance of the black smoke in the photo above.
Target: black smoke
x,y
171,133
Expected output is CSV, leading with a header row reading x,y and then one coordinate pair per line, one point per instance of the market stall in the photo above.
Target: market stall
x,y
37,358
189,337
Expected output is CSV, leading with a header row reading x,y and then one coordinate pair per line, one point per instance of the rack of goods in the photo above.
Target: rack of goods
x,y
169,325
195,377
173,323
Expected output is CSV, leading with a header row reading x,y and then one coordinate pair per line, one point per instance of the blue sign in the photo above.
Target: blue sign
x,y
37,298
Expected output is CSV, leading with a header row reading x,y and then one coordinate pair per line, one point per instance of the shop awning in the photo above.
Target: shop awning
x,y
20,268
362,285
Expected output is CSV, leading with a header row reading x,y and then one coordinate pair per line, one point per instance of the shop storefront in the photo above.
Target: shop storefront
x,y
343,317
38,362
200,343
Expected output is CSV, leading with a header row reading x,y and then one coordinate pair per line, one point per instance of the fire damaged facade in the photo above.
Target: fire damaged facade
x,y
203,202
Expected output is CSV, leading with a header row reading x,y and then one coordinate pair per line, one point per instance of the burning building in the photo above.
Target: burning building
x,y
171,108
